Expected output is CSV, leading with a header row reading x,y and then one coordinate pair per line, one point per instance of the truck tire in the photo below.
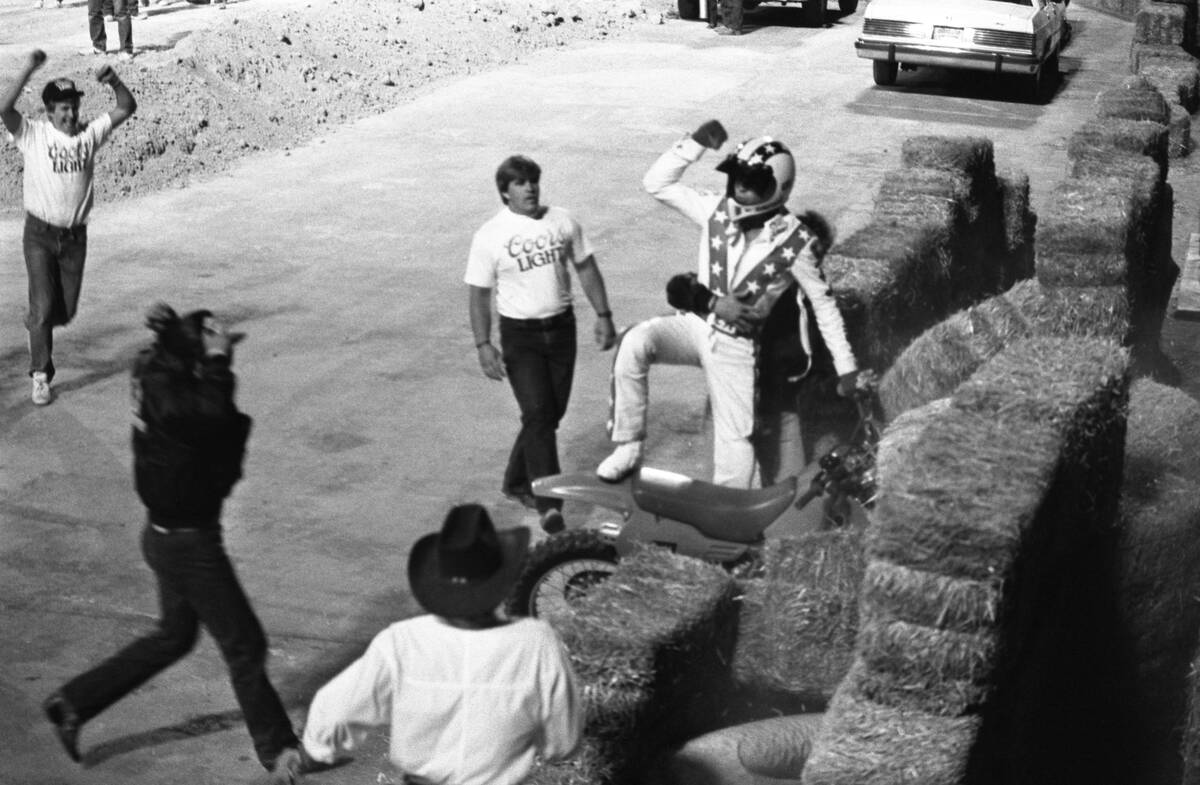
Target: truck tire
x,y
813,13
884,72
689,9
847,6
560,570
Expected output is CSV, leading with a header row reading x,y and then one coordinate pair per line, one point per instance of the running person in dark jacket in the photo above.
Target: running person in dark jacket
x,y
188,442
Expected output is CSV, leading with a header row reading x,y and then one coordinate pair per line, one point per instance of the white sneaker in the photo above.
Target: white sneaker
x,y
41,389
125,57
624,459
38,4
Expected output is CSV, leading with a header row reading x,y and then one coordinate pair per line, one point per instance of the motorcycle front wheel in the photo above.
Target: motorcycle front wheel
x,y
559,571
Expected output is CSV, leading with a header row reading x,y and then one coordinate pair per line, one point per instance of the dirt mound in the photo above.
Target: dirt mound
x,y
261,79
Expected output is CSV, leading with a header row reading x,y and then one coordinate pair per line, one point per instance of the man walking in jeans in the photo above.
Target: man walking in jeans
x,y
525,253
189,440
59,155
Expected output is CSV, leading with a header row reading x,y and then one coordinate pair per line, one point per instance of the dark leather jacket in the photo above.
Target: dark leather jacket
x,y
189,439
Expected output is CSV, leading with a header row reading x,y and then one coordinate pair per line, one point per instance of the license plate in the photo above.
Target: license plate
x,y
947,33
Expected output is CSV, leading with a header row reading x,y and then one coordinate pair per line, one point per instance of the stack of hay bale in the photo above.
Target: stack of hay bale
x,y
987,608
1158,572
1164,34
1108,225
651,648
946,231
798,620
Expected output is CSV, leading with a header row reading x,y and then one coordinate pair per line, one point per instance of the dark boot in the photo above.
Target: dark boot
x,y
66,723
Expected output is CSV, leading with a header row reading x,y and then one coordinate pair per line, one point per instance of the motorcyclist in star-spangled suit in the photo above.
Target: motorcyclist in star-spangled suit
x,y
752,253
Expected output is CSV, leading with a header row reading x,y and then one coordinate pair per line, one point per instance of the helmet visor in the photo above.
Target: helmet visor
x,y
759,178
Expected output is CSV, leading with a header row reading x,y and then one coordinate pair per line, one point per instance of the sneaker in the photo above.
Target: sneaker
x,y
41,389
624,459
39,4
125,57
552,522
66,722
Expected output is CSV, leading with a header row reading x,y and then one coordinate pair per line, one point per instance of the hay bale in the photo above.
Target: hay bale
x,y
1094,231
981,469
1141,55
890,282
866,743
925,196
1136,99
1125,9
935,601
1177,79
912,666
799,616
945,355
935,363
1107,138
972,156
1158,552
1179,132
1162,23
1019,222
1138,169
1081,311
649,647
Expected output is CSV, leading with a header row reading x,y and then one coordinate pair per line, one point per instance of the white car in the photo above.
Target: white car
x,y
1001,36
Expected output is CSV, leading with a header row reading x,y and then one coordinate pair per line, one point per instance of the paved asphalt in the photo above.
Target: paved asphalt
x,y
343,262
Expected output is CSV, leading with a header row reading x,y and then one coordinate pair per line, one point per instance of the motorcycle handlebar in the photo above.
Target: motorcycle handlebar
x,y
813,492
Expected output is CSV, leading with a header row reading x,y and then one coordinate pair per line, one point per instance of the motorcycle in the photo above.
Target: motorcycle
x,y
692,517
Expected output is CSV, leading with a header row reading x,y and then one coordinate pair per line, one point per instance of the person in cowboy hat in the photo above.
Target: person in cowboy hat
x,y
470,697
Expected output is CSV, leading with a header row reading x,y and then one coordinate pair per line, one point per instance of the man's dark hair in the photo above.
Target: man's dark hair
x,y
516,167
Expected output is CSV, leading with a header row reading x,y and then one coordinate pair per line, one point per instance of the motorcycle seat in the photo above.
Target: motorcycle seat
x,y
731,514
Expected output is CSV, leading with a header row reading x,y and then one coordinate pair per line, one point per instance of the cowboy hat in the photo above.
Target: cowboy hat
x,y
468,567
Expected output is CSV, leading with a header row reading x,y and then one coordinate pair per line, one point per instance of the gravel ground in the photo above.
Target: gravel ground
x,y
269,75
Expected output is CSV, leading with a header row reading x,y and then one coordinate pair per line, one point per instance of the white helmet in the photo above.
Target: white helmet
x,y
765,165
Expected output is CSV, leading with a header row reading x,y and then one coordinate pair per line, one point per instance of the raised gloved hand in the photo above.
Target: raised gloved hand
x,y
712,135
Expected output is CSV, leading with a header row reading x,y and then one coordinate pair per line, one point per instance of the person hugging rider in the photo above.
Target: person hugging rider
x,y
754,256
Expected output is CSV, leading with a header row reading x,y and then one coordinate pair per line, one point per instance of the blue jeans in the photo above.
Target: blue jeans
x,y
539,358
196,585
54,263
124,25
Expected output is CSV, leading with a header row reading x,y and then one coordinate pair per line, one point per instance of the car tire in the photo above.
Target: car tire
x,y
848,6
813,13
689,9
884,72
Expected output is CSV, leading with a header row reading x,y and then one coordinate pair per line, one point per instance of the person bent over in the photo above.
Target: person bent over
x,y
753,252
469,698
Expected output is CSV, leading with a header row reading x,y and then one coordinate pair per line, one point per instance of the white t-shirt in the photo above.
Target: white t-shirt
x,y
58,169
465,707
525,260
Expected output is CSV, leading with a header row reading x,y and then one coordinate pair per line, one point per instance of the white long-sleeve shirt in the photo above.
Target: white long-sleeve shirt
x,y
662,181
465,706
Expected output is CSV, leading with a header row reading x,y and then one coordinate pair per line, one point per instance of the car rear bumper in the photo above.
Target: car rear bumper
x,y
948,57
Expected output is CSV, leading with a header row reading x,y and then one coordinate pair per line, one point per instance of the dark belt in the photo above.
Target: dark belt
x,y
557,320
38,224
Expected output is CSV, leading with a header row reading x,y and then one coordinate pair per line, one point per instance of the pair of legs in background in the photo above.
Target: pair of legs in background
x,y
196,586
539,360
121,10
